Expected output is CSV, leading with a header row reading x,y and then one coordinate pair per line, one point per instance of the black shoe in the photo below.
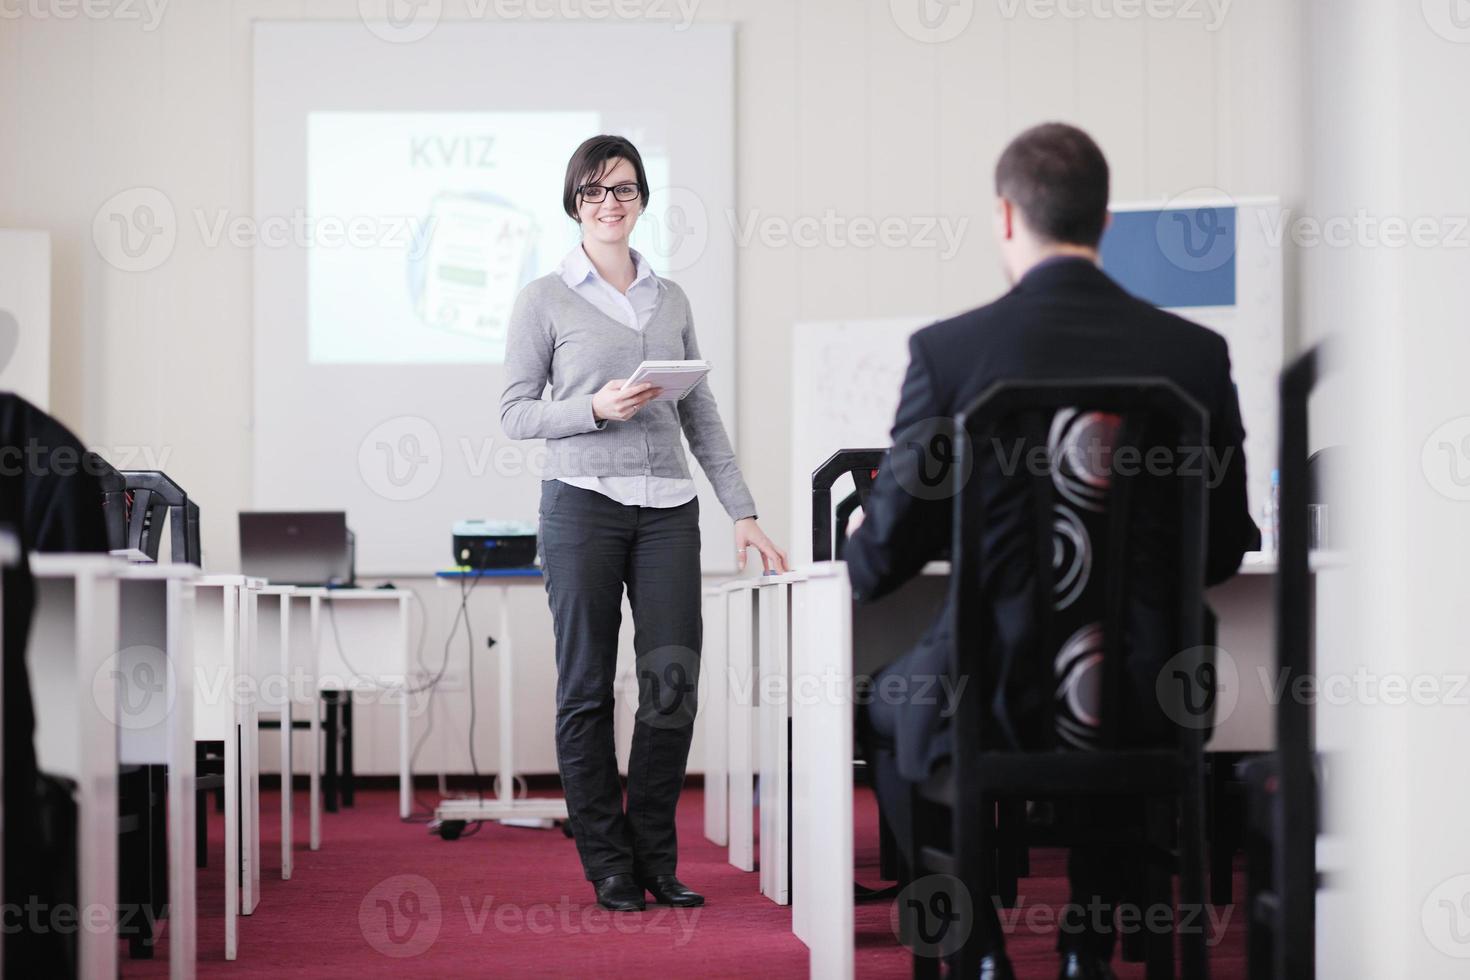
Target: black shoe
x,y
668,890
996,967
619,893
1080,966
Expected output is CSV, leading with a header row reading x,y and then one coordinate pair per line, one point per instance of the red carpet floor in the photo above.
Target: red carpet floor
x,y
384,897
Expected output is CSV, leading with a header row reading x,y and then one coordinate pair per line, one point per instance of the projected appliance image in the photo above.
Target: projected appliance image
x,y
480,251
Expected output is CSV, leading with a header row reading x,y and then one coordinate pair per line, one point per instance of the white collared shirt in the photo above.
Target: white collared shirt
x,y
633,310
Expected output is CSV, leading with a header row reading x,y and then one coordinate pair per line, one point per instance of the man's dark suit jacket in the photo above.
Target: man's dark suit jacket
x,y
1065,319
50,501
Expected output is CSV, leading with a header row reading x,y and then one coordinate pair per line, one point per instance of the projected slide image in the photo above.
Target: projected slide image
x,y
453,213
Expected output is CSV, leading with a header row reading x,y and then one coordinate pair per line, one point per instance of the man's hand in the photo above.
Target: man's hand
x,y
619,404
749,535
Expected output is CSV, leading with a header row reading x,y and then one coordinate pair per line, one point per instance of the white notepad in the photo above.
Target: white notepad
x,y
676,378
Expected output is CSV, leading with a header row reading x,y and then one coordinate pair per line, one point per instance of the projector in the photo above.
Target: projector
x,y
494,544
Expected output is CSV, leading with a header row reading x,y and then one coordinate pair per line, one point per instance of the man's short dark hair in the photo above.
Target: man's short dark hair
x,y
1056,175
593,159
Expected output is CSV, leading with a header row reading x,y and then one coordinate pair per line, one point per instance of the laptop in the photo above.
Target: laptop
x,y
307,548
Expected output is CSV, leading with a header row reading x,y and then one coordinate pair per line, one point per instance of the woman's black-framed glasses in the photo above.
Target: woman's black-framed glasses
x,y
593,193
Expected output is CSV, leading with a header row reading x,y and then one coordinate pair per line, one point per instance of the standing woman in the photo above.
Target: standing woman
x,y
618,507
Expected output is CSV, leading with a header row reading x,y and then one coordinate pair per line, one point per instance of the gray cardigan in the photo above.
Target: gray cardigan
x,y
557,336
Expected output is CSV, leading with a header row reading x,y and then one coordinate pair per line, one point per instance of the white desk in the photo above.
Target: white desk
x,y
302,645
831,641
363,648
70,658
154,674
711,717
285,673
504,806
225,711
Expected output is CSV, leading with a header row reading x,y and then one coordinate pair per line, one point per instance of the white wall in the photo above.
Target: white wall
x,y
838,109
1391,142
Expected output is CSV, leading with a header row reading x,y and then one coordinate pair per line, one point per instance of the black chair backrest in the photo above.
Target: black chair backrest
x,y
863,465
1296,754
114,501
152,497
1081,499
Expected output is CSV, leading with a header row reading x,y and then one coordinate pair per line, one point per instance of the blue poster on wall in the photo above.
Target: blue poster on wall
x,y
1176,257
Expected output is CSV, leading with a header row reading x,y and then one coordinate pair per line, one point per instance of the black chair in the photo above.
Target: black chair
x,y
829,536
1284,818
828,528
1078,753
136,505
152,497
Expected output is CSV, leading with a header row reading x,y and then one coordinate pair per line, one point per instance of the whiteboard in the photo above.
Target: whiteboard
x,y
846,376
1253,324
406,438
25,315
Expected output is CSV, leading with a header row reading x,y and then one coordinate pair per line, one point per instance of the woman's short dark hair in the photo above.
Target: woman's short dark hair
x,y
592,159
1056,175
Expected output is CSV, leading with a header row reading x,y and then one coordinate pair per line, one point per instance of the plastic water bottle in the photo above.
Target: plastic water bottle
x,y
1271,532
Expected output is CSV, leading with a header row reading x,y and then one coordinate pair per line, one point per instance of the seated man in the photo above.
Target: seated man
x,y
1063,319
51,499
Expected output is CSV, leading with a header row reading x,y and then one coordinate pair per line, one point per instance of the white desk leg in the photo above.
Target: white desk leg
x,y
183,944
95,636
287,762
232,839
741,699
822,916
315,779
507,716
712,714
405,798
773,741
249,758
405,778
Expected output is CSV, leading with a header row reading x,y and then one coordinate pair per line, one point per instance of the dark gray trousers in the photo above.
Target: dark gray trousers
x,y
590,547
